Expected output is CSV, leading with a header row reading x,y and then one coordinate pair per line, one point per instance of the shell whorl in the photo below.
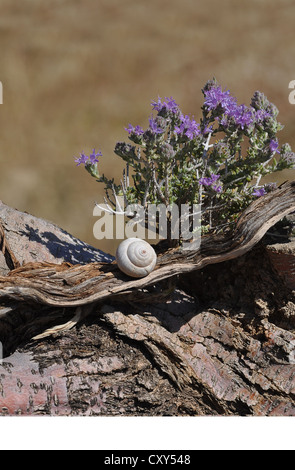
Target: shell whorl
x,y
136,257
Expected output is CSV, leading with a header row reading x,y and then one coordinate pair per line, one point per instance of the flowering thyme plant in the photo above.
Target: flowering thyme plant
x,y
217,163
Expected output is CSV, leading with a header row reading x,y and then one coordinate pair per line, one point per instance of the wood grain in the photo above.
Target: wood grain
x,y
65,285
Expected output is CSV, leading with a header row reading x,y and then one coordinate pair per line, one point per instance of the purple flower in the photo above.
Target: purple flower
x,y
185,122
193,129
169,104
83,159
157,105
205,181
154,126
259,192
209,181
216,188
215,97
242,115
223,121
188,127
214,178
137,130
207,130
93,157
273,146
261,114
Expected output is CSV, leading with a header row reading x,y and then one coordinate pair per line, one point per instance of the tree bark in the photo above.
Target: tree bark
x,y
207,333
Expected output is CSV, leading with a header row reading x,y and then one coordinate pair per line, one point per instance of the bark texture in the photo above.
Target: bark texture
x,y
25,238
207,333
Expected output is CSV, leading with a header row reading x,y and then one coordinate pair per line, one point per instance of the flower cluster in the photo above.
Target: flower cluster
x,y
88,160
216,98
188,127
218,162
137,130
168,105
232,114
210,181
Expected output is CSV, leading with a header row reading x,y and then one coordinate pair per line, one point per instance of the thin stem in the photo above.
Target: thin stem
x,y
207,146
158,188
117,200
258,181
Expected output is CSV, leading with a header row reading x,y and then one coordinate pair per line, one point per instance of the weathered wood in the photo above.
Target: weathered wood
x,y
221,343
68,286
177,358
25,238
90,371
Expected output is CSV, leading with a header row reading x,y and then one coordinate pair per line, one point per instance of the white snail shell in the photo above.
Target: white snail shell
x,y
136,257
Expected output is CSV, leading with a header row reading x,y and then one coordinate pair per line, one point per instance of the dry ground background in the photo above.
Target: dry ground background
x,y
75,73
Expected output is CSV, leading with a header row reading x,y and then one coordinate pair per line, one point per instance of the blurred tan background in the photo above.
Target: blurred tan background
x,y
75,73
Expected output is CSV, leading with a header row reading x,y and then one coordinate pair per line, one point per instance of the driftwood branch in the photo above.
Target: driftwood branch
x,y
214,335
65,285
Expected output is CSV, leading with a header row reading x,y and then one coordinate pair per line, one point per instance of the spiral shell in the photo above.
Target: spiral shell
x,y
136,257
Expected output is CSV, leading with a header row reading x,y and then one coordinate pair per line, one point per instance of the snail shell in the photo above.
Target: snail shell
x,y
136,257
